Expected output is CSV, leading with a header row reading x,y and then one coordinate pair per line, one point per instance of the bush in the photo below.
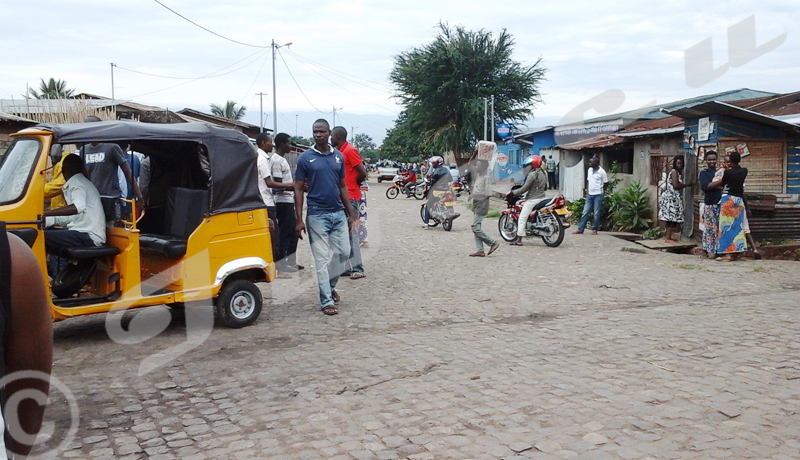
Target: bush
x,y
632,209
654,233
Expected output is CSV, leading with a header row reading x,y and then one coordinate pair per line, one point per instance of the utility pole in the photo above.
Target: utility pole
x,y
274,96
261,106
334,116
485,116
353,133
492,118
113,103
295,124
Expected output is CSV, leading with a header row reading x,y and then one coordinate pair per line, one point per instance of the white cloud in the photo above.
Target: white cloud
x,y
588,47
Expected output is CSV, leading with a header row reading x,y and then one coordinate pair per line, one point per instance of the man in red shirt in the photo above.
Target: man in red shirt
x,y
354,174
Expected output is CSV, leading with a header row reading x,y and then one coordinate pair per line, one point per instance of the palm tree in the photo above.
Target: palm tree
x,y
52,89
229,111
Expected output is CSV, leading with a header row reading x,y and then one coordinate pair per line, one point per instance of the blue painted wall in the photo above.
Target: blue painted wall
x,y
515,154
543,140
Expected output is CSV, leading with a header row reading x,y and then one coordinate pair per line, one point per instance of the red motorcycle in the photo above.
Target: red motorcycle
x,y
547,220
407,187
460,186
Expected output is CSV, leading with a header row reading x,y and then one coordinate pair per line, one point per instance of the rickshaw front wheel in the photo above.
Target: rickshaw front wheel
x,y
239,303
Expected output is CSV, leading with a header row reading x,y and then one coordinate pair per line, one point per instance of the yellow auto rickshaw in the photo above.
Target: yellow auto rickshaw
x,y
204,235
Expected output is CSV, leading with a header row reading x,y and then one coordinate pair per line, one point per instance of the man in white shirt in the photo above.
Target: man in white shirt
x,y
597,179
83,215
284,204
266,184
82,220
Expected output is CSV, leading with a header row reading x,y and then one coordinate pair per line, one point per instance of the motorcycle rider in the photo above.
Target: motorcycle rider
x,y
532,192
439,183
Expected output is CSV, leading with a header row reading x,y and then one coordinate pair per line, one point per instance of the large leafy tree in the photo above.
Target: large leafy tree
x,y
229,110
404,143
443,85
363,142
51,89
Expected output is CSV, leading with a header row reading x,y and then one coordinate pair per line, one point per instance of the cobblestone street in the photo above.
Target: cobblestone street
x,y
583,351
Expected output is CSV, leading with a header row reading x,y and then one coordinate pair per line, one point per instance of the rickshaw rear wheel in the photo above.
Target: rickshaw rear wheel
x,y
239,303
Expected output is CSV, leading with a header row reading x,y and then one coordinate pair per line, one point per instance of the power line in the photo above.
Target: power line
x,y
208,30
337,71
298,85
210,75
340,86
254,80
199,78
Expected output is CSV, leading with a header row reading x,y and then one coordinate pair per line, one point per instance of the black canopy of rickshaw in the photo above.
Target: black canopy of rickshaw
x,y
231,156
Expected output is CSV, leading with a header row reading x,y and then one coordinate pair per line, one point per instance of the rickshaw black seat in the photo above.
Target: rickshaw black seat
x,y
172,247
84,253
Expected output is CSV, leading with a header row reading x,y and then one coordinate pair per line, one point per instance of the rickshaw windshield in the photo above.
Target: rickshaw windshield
x,y
17,168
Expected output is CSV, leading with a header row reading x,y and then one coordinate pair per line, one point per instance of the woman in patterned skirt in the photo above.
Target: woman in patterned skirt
x,y
710,205
670,209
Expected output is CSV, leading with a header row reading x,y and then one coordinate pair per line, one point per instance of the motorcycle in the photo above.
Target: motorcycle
x,y
548,219
443,211
460,186
409,189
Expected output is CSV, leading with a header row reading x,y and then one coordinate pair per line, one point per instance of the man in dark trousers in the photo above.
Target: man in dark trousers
x,y
355,173
284,205
329,214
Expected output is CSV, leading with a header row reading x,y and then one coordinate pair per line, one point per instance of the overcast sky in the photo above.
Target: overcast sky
x,y
342,52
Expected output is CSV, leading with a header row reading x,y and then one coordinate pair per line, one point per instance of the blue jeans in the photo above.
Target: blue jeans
x,y
355,263
594,204
328,233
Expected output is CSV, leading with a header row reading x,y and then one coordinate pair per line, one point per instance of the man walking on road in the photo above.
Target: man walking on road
x,y
329,215
355,173
481,191
597,178
550,165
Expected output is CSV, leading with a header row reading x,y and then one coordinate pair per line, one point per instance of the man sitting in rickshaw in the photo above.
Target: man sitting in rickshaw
x,y
81,223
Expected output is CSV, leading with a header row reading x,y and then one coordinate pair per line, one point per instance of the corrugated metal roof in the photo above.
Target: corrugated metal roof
x,y
654,112
599,141
50,105
665,125
206,117
9,117
783,104
717,107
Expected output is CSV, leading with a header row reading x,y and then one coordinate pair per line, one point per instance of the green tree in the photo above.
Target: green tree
x,y
405,143
51,89
229,110
363,142
442,86
300,140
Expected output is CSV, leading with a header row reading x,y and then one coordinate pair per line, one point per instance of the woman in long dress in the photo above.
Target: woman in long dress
x,y
670,209
733,225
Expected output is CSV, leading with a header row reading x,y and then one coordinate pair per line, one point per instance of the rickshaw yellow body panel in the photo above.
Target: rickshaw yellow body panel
x,y
223,245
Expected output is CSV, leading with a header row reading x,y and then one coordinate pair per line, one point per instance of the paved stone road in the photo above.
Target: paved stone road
x,y
582,351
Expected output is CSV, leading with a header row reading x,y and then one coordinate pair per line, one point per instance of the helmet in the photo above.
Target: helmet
x,y
437,161
534,161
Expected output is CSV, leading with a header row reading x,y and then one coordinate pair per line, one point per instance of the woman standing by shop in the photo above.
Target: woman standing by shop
x,y
670,210
710,205
733,226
